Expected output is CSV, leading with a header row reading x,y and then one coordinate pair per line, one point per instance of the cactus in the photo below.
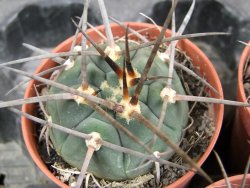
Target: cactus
x,y
110,107
79,116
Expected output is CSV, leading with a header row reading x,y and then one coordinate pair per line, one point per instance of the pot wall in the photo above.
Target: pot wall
x,y
240,147
235,181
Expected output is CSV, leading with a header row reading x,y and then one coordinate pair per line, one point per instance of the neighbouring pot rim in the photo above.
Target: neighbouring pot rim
x,y
233,179
244,58
185,42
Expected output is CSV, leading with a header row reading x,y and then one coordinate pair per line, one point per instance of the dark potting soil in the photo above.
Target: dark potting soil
x,y
194,142
246,79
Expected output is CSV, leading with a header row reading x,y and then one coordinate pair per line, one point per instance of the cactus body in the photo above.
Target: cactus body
x,y
107,163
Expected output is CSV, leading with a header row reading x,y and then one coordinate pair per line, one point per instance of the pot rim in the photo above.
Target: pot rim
x,y
233,180
218,123
245,56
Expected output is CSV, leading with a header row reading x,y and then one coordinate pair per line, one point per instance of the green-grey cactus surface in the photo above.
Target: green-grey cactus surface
x,y
107,163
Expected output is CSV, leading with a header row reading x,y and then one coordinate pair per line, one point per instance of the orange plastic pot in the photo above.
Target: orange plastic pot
x,y
235,181
199,59
240,148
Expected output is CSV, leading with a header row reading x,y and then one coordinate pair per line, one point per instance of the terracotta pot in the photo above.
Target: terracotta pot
x,y
240,148
235,181
199,59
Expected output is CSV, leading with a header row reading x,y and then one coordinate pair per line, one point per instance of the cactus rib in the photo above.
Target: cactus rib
x,y
105,143
135,98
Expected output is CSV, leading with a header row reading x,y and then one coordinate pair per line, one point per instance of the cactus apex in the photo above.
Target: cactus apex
x,y
130,79
128,109
113,53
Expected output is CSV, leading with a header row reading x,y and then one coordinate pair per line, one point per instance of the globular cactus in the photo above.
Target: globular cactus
x,y
113,111
79,116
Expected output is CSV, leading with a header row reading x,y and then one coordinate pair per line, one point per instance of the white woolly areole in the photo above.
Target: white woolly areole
x,y
81,100
164,56
95,141
73,184
170,93
104,85
157,154
78,48
113,52
128,109
69,64
49,119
